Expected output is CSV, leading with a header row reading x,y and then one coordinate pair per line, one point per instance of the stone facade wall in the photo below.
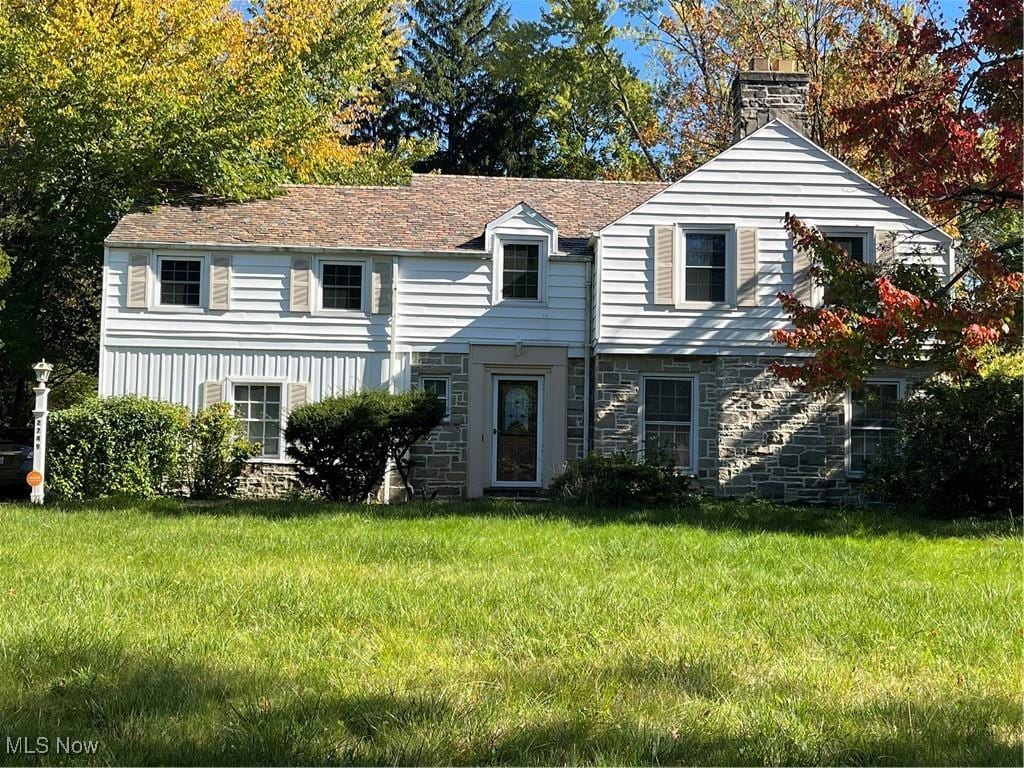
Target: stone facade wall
x,y
758,434
440,462
617,403
575,407
267,480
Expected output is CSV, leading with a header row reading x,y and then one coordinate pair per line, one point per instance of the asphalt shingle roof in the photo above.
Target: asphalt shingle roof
x,y
433,212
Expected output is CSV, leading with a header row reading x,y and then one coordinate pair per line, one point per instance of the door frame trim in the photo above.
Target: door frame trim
x,y
539,418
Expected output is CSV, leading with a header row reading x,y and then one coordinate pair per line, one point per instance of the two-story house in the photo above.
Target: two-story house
x,y
553,317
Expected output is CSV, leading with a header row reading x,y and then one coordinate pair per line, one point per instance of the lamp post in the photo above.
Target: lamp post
x,y
36,478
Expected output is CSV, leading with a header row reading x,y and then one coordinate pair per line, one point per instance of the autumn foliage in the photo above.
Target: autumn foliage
x,y
897,314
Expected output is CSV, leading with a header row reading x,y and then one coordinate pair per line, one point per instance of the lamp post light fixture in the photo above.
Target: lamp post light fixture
x,y
37,477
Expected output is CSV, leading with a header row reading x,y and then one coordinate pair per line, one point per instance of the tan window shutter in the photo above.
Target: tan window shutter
x,y
664,265
746,267
220,281
298,393
885,246
380,296
138,279
300,284
802,284
213,393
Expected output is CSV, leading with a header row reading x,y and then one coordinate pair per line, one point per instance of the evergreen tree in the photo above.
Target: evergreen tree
x,y
456,92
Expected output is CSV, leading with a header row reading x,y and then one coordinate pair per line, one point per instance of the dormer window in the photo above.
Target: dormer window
x,y
520,271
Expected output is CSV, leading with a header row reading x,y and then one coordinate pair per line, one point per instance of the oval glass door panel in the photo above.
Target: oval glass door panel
x,y
516,431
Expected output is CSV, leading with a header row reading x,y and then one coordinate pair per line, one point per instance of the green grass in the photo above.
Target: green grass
x,y
496,633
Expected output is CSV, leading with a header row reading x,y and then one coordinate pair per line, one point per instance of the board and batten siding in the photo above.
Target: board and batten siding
x,y
176,374
751,185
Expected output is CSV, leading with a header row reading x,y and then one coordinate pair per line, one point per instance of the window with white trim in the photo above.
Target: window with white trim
x,y
520,271
439,386
705,266
181,282
258,407
872,422
341,285
667,423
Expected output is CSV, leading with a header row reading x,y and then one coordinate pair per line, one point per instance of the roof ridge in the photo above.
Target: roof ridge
x,y
541,179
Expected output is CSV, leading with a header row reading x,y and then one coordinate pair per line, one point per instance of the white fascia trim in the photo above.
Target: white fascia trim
x,y
304,249
541,221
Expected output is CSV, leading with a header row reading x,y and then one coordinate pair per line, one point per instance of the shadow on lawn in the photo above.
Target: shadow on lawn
x,y
151,708
746,515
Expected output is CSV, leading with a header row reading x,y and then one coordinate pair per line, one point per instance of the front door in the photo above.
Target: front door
x,y
517,419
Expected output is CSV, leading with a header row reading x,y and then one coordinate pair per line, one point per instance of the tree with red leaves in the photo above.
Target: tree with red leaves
x,y
937,124
935,118
896,315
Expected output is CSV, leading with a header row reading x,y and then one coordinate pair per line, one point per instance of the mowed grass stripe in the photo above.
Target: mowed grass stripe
x,y
502,633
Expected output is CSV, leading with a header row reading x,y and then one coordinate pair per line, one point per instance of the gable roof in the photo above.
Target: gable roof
x,y
926,225
433,212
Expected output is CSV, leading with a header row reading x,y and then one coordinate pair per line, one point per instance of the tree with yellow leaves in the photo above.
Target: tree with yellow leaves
x,y
106,105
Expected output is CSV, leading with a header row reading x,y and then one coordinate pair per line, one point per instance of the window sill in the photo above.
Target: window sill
x,y
186,308
721,306
535,303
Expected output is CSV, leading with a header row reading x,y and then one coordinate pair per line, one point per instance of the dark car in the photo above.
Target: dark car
x,y
15,463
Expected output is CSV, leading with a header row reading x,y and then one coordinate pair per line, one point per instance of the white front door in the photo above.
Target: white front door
x,y
517,419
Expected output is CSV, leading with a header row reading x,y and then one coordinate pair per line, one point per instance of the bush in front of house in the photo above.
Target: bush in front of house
x,y
127,445
215,450
342,444
960,447
619,481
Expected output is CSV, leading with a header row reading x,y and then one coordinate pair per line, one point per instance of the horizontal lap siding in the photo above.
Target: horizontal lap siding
x,y
445,301
175,375
751,185
258,316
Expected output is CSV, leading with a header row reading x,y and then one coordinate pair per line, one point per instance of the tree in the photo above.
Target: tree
x,y
595,107
699,46
938,121
895,315
452,91
108,105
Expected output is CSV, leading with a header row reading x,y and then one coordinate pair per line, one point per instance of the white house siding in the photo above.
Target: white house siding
x,y
753,184
446,304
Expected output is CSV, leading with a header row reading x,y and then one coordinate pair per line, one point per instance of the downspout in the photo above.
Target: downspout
x,y
587,343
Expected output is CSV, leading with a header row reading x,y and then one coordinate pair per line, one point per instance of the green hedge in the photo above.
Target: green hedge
x,y
620,481
959,447
116,446
132,446
342,444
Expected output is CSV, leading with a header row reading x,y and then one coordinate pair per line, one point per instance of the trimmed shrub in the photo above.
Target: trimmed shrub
x,y
960,448
215,450
342,444
117,446
619,481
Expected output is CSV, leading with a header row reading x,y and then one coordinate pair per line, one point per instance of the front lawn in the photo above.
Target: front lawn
x,y
496,633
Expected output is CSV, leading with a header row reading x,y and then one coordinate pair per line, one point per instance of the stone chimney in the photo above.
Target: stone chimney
x,y
769,89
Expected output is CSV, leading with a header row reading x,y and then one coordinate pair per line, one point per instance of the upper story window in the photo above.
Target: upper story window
x,y
704,266
667,425
341,286
520,271
258,407
872,422
852,244
439,387
181,282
